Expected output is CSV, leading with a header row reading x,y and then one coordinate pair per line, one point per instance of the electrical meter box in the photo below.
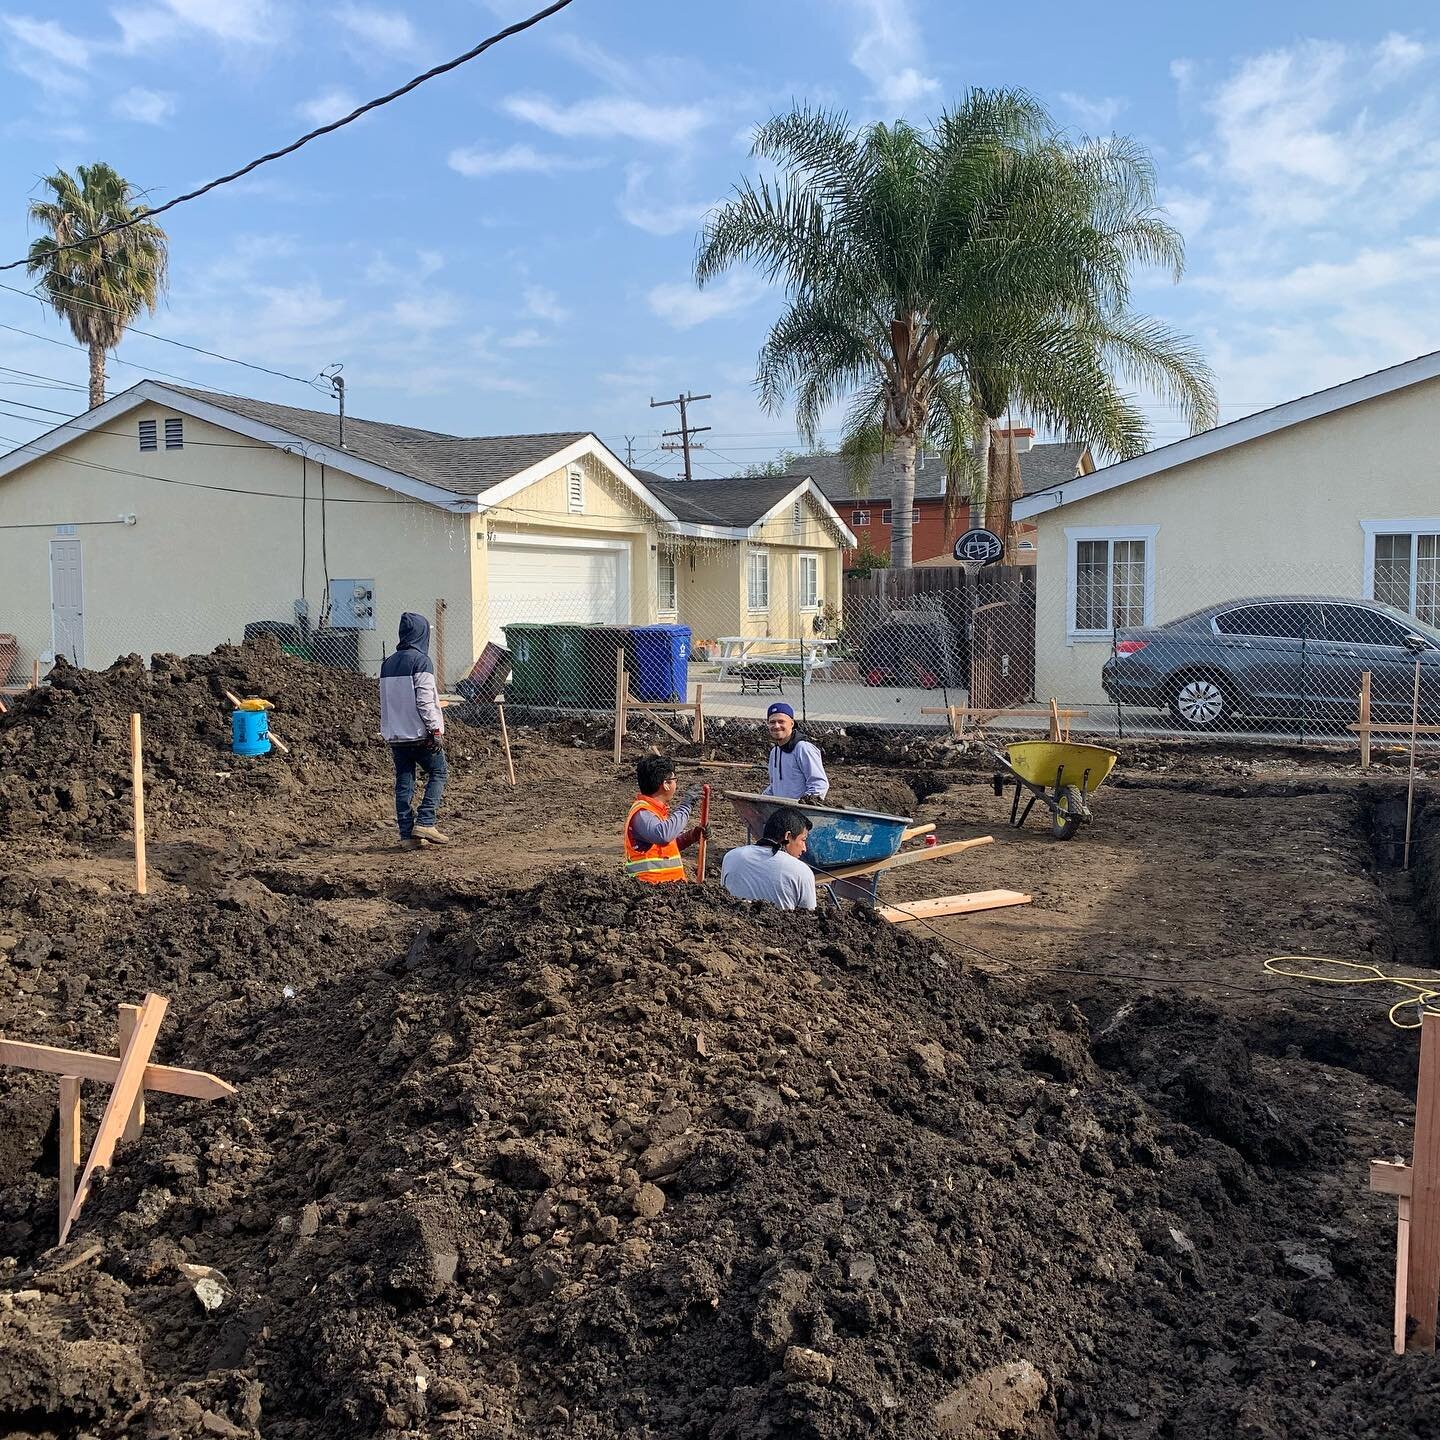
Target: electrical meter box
x,y
352,604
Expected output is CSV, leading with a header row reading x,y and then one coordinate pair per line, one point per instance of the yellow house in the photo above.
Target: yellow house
x,y
170,519
1332,494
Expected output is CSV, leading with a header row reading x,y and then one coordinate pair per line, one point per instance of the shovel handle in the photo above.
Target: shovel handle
x,y
704,820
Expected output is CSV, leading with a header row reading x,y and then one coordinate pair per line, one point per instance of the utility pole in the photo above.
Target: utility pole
x,y
686,429
629,451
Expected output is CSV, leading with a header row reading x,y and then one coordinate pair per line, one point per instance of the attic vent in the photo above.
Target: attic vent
x,y
575,491
174,433
796,515
147,435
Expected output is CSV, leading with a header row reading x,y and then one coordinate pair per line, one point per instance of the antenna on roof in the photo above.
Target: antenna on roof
x,y
337,388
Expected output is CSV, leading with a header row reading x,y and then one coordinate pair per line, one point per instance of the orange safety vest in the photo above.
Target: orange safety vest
x,y
656,864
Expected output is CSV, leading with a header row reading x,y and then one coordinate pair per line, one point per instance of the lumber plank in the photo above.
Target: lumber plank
x,y
1389,1178
129,1018
1395,727
905,857
1402,1269
1365,716
1422,1295
951,905
69,1129
127,1085
137,793
621,685
167,1079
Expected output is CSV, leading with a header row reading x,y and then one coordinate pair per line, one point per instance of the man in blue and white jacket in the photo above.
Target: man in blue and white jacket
x,y
413,723
797,770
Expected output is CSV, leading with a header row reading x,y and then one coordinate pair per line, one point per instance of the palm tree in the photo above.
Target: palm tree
x,y
937,279
98,289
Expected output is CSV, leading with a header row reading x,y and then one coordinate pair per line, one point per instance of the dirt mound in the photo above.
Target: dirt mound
x,y
65,748
593,1159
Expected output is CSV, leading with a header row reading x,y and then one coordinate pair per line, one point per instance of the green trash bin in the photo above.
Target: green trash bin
x,y
532,661
567,647
600,644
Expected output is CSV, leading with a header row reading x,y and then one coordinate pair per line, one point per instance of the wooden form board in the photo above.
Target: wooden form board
x,y
196,1084
69,1131
943,905
1422,1297
137,792
905,857
654,709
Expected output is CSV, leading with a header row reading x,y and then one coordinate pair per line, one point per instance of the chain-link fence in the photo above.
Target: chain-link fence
x,y
1126,646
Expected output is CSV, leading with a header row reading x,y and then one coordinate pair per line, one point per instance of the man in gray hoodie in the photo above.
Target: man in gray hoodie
x,y
413,723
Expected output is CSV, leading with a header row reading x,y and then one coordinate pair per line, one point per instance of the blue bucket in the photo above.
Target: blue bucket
x,y
249,732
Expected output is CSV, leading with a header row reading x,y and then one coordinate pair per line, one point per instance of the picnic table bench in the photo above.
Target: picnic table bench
x,y
761,666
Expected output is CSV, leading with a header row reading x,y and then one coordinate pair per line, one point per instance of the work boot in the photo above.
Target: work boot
x,y
409,843
430,835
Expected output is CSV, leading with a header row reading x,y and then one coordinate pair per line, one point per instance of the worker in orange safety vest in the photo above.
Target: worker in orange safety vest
x,y
657,829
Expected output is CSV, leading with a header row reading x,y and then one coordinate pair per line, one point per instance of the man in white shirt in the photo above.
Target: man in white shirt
x,y
772,870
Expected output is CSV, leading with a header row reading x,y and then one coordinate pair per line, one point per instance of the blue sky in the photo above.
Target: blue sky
x,y
508,249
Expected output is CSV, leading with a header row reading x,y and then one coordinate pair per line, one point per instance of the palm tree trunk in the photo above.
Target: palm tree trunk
x,y
902,503
980,501
999,465
97,375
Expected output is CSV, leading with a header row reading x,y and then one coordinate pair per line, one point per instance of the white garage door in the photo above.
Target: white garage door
x,y
544,583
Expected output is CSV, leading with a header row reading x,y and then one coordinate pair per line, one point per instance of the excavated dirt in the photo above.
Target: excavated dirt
x,y
519,1149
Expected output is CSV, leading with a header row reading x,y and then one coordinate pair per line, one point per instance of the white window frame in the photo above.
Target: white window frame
x,y
575,490
660,606
812,558
1414,526
859,519
764,557
1074,534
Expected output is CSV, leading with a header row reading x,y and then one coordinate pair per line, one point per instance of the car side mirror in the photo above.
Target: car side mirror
x,y
1416,644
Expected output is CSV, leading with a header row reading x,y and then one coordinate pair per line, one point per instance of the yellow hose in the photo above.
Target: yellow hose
x,y
1426,993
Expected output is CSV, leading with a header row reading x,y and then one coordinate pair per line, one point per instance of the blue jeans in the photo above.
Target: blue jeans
x,y
432,762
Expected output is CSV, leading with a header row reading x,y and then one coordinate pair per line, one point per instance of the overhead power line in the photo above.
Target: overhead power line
x,y
315,134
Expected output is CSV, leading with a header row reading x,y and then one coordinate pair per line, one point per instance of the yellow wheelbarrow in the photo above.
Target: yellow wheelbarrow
x,y
1058,773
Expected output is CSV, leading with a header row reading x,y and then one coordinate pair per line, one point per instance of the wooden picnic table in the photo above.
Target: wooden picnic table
x,y
811,652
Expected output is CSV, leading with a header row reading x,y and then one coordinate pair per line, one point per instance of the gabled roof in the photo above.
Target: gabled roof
x,y
454,472
737,506
1237,432
1041,466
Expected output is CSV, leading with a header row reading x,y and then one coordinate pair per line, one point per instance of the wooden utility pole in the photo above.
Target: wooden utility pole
x,y
686,429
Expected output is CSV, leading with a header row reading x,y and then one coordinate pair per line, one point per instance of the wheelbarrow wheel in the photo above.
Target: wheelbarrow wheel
x,y
1069,812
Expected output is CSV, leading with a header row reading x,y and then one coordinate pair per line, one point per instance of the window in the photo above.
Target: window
x,y
1355,625
1111,579
757,580
174,432
809,582
575,490
887,517
1272,622
859,519
1402,564
147,435
665,584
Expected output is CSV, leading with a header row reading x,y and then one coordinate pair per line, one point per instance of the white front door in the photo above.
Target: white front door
x,y
554,582
67,601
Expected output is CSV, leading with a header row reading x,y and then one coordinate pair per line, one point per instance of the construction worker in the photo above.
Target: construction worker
x,y
797,770
657,829
772,870
413,723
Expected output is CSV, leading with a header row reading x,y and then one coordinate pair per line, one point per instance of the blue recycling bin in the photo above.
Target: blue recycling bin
x,y
249,732
662,660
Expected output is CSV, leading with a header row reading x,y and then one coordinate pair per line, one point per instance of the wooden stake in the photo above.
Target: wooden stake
x,y
1422,1290
69,1143
505,740
129,1018
1055,720
1364,726
127,1086
137,788
620,688
1410,793
167,1079
35,674
704,820
440,609
1402,1271
697,722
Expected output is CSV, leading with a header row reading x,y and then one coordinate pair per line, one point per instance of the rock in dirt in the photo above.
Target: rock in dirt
x,y
996,1403
809,1365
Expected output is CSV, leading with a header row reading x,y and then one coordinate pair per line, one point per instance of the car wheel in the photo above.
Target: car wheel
x,y
1200,702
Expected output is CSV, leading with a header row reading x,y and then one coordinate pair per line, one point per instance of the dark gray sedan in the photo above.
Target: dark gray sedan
x,y
1290,656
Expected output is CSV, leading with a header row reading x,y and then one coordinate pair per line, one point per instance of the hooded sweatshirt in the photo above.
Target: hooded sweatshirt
x,y
796,769
409,701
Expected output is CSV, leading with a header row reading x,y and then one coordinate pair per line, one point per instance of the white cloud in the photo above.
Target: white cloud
x,y
432,312
50,39
512,160
1098,114
1398,54
657,216
327,106
1189,212
527,339
610,117
598,61
682,305
888,53
545,305
232,22
1413,265
144,107
373,30
1182,72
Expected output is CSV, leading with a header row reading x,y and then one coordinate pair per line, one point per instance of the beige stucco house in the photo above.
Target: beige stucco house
x,y
1335,493
170,518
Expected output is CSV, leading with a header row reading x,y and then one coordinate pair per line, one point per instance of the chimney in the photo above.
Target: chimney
x,y
1023,437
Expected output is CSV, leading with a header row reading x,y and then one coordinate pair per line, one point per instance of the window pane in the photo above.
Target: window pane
x,y
1427,578
758,580
1091,563
665,577
1392,570
809,582
1274,622
1128,566
1359,626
